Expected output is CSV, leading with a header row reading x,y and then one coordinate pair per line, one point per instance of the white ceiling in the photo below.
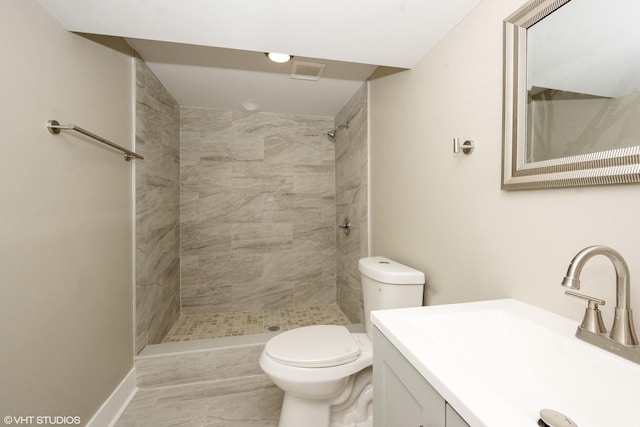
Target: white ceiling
x,y
210,52
569,55
204,76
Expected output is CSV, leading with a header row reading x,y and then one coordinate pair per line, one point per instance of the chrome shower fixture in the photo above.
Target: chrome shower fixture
x,y
334,132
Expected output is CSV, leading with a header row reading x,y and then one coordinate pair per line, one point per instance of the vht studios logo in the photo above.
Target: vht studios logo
x,y
41,420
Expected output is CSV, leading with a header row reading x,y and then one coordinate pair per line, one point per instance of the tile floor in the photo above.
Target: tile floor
x,y
248,402
216,325
245,401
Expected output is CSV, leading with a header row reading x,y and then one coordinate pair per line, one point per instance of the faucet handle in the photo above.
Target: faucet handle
x,y
592,321
593,301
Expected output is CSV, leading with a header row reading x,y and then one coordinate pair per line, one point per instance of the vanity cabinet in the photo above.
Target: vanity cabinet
x,y
402,397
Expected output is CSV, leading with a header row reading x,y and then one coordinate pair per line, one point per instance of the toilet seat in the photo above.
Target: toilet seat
x,y
319,346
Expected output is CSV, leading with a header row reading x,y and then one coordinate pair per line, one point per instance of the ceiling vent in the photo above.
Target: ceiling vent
x,y
306,70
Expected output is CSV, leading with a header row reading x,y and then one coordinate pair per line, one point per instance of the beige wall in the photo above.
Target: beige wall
x,y
446,215
564,124
66,327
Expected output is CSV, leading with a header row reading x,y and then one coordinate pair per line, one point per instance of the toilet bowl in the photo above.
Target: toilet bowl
x,y
317,372
324,370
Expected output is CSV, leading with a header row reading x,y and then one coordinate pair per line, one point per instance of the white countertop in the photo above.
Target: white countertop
x,y
499,362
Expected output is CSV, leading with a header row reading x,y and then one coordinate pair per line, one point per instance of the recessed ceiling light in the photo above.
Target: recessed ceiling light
x,y
280,58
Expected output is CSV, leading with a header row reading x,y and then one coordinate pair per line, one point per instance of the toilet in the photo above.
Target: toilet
x,y
325,371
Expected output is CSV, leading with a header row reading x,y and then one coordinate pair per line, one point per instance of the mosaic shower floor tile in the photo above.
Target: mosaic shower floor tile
x,y
216,325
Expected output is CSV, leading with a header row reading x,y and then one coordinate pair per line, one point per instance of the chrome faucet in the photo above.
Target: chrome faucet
x,y
622,339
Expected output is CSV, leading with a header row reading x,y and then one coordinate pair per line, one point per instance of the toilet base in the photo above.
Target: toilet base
x,y
353,407
357,409
299,411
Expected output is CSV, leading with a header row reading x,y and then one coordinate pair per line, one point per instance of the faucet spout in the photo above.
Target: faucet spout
x,y
623,330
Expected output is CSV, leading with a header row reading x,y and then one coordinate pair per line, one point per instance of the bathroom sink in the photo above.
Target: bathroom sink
x,y
498,363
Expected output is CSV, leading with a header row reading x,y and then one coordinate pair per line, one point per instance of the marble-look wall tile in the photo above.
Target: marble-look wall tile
x,y
352,174
257,210
157,209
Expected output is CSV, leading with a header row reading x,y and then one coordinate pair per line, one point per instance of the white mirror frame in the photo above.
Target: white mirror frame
x,y
619,166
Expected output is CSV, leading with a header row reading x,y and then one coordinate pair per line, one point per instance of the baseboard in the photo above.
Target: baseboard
x,y
116,403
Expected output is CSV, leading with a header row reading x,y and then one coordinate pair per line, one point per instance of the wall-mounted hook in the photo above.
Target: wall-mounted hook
x,y
467,147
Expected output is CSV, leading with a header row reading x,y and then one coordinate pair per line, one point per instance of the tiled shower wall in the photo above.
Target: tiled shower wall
x,y
157,213
352,200
257,211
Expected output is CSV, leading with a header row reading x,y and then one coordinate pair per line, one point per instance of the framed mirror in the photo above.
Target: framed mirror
x,y
571,108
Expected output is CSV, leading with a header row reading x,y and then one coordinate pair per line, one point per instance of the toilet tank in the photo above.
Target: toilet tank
x,y
388,284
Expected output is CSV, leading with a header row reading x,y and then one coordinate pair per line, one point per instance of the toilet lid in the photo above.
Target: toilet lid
x,y
318,346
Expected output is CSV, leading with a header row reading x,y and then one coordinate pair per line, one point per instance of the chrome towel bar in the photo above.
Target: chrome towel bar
x,y
55,128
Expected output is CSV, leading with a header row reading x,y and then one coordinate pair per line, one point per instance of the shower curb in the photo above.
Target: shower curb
x,y
197,366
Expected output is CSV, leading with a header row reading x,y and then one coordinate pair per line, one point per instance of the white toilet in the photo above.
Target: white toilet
x,y
324,370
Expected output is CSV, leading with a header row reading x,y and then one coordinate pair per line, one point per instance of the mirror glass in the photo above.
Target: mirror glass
x,y
572,94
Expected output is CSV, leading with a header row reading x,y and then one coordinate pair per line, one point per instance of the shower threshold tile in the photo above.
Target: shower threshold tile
x,y
236,323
